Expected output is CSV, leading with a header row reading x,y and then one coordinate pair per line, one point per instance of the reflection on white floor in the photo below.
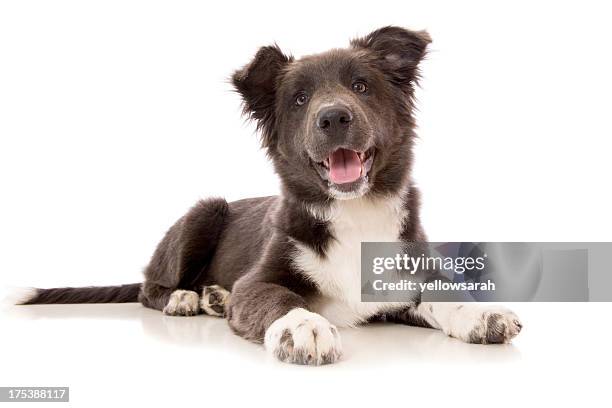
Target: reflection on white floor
x,y
127,353
373,343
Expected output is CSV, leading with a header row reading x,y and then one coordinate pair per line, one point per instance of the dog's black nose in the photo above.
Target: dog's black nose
x,y
334,120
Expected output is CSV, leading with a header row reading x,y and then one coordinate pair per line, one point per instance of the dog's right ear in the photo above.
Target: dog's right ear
x,y
257,84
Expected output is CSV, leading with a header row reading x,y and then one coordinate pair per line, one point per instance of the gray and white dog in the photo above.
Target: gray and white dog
x,y
339,129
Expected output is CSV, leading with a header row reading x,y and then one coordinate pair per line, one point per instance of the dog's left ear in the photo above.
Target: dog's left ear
x,y
257,84
399,52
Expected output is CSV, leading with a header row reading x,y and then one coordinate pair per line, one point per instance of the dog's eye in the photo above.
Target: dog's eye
x,y
359,87
301,99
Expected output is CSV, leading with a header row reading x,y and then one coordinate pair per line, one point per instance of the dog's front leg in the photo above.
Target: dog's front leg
x,y
273,314
470,322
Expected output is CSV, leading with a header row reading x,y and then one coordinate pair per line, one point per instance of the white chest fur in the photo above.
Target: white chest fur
x,y
338,275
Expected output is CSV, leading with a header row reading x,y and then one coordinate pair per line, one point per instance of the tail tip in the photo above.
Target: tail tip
x,y
20,296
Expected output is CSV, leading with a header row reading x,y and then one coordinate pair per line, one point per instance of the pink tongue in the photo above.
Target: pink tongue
x,y
344,166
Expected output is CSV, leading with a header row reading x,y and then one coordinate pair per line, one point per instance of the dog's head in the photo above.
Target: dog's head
x,y
337,125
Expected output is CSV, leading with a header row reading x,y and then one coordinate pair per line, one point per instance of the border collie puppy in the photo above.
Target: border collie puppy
x,y
285,270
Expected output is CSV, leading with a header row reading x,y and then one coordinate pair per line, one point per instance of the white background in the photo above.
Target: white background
x,y
116,116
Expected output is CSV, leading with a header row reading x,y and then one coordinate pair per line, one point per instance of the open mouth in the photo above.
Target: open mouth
x,y
345,166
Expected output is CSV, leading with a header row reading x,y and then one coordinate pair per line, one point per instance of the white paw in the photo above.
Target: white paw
x,y
484,325
213,301
183,303
303,337
496,325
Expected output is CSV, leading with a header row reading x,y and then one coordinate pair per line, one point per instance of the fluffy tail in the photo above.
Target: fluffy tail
x,y
90,294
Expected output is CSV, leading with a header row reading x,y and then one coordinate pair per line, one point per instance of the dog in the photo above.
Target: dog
x,y
284,270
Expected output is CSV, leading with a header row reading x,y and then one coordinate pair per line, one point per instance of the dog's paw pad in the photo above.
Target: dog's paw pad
x,y
213,300
182,303
303,337
496,327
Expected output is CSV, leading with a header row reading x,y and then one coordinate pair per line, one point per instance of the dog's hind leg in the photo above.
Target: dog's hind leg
x,y
213,300
182,303
178,266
